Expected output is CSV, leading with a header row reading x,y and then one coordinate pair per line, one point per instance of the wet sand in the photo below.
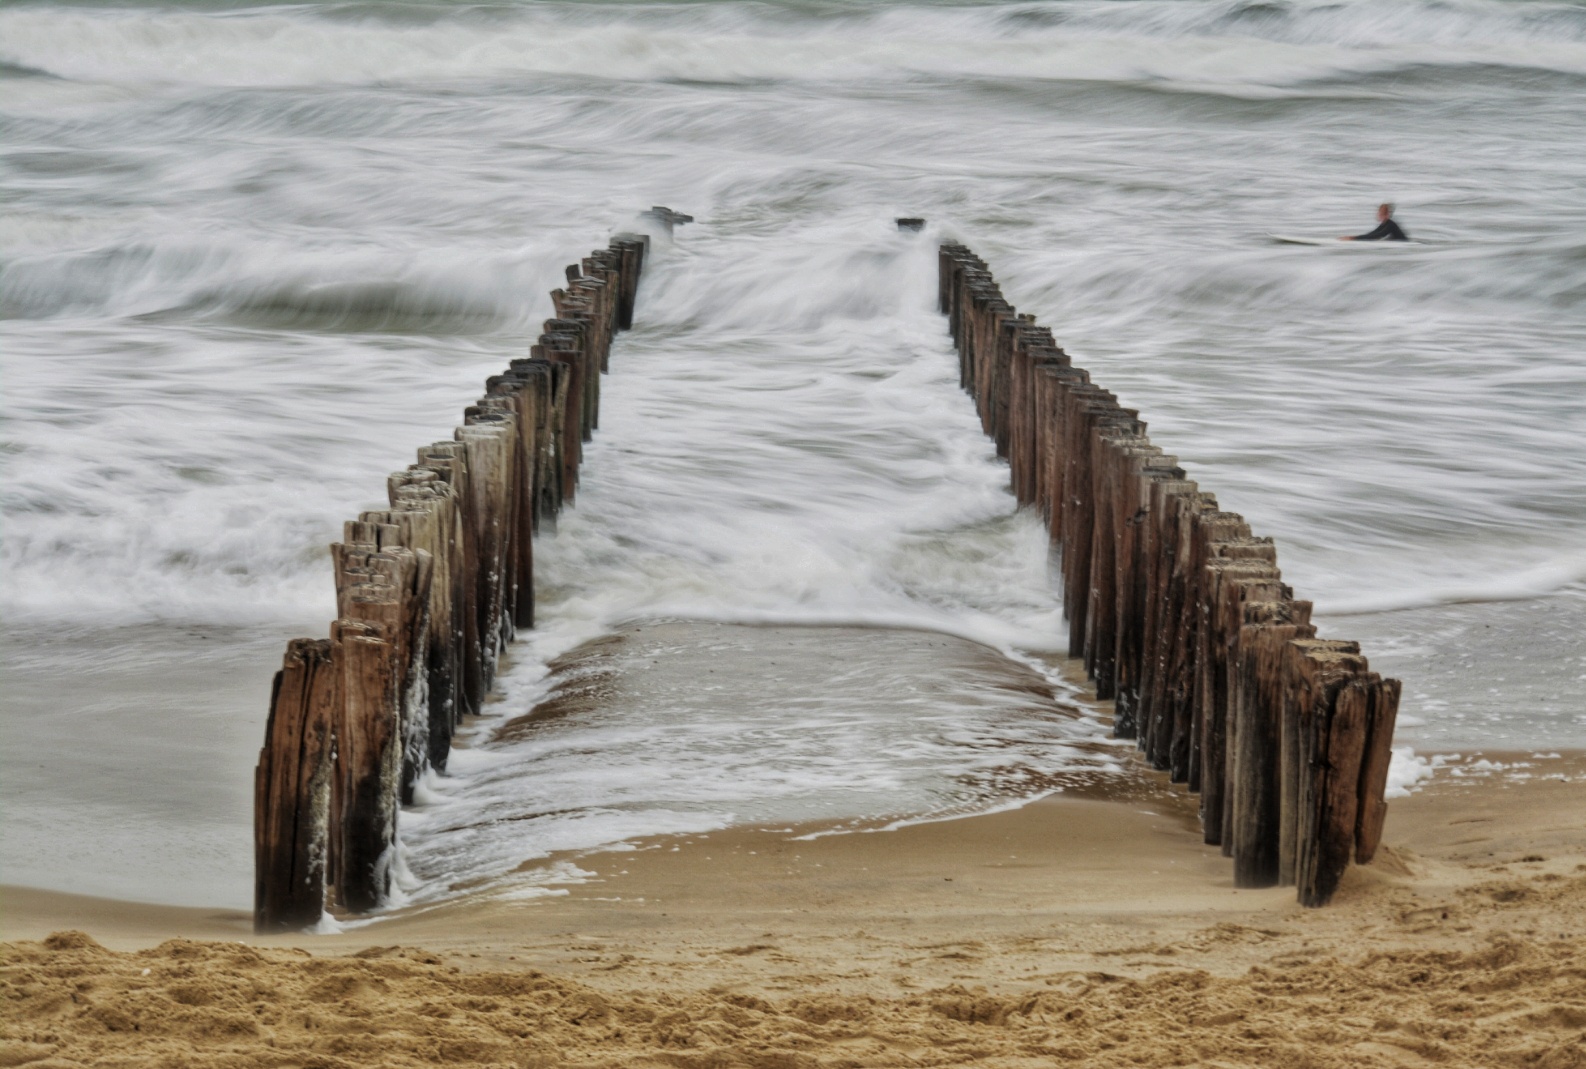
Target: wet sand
x,y
1100,931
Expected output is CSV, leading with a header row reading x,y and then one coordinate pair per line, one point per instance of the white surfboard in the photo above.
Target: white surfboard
x,y
1294,239
1289,239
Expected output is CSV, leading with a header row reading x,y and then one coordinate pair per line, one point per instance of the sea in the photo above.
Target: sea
x,y
252,255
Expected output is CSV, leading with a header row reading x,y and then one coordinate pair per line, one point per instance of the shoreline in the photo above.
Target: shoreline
x,y
1130,827
1096,930
25,912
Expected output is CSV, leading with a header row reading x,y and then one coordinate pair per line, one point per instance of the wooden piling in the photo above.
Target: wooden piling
x,y
292,783
1177,612
1229,583
1266,630
1163,592
1315,670
382,593
1331,811
428,593
1381,714
1136,551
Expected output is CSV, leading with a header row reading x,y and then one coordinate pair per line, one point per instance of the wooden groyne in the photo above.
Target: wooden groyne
x,y
428,593
1179,613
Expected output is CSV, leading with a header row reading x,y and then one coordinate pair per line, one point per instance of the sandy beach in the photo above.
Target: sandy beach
x,y
1098,932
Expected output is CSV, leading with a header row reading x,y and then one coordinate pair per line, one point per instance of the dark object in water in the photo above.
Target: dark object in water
x,y
911,224
666,217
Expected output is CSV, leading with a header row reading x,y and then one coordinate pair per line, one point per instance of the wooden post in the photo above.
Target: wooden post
x,y
1088,408
1229,582
1169,497
516,396
1381,715
1027,341
538,380
1116,446
381,595
426,643
1008,325
368,764
1267,629
489,450
631,249
563,348
1060,383
1225,583
1207,527
593,292
291,811
1136,550
449,460
574,318
1338,732
1180,618
424,508
1314,670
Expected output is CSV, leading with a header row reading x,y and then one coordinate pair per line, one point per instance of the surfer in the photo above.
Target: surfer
x,y
1387,229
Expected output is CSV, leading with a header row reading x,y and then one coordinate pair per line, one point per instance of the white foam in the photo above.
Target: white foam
x,y
1407,772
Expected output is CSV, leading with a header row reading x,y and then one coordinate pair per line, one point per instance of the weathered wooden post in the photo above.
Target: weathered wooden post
x,y
1180,617
1315,670
1087,406
1327,840
1373,807
1207,527
632,251
1257,707
563,348
1168,497
291,811
537,379
421,519
489,444
1122,452
1229,582
574,318
1138,530
449,461
1051,374
382,595
1118,445
518,396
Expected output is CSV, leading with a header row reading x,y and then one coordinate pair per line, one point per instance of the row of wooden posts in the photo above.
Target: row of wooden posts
x,y
428,592
1179,612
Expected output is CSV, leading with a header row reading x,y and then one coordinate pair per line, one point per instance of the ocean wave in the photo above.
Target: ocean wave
x,y
396,291
1543,579
1224,43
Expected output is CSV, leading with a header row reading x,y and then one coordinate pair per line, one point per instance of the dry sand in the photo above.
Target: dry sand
x,y
1074,930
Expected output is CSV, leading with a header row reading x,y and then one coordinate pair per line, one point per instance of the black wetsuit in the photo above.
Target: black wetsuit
x,y
1387,231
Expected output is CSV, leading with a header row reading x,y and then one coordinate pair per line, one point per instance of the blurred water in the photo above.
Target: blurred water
x,y
254,254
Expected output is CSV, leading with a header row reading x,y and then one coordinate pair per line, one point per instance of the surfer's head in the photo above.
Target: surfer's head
x,y
1384,212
